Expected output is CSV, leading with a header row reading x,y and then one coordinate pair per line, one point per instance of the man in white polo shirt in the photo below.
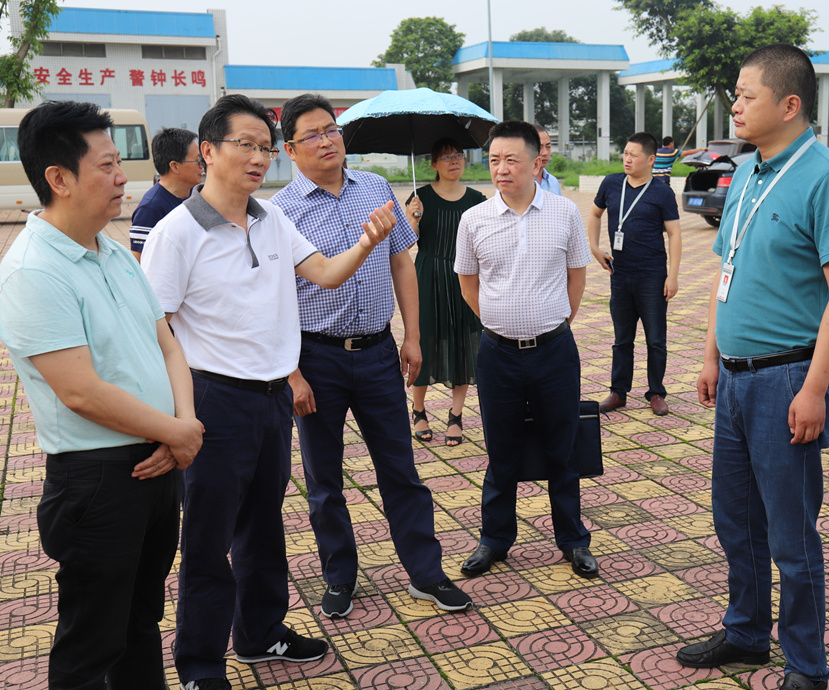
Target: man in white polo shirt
x,y
521,259
224,270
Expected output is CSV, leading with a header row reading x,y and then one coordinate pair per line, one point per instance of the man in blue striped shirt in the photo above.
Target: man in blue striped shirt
x,y
349,360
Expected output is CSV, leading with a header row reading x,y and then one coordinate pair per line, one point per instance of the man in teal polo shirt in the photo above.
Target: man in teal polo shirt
x,y
112,399
767,369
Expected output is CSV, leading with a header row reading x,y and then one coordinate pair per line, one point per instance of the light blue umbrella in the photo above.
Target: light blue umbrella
x,y
411,120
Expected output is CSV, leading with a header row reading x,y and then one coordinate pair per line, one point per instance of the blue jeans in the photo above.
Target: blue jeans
x,y
635,297
547,377
233,495
369,383
767,495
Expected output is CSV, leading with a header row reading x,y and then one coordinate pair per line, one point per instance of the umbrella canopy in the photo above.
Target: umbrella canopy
x,y
410,121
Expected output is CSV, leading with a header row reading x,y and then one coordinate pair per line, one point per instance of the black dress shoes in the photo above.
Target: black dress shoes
x,y
584,565
717,651
481,561
797,681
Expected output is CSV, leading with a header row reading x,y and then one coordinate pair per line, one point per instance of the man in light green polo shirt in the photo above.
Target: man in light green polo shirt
x,y
112,399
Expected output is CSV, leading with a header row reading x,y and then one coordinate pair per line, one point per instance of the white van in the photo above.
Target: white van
x,y
129,132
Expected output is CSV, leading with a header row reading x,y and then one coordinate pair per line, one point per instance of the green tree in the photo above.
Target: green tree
x,y
426,46
655,19
16,78
715,42
709,43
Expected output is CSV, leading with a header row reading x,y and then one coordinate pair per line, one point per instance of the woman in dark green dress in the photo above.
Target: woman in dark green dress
x,y
449,330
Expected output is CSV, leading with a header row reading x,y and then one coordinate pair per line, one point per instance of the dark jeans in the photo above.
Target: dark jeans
x,y
369,383
632,298
115,539
548,378
766,499
233,495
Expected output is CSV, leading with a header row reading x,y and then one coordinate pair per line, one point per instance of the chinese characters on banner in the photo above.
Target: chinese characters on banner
x,y
137,77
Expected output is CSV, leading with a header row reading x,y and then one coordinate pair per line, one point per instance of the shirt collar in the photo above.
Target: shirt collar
x,y
306,186
782,158
208,217
62,242
537,202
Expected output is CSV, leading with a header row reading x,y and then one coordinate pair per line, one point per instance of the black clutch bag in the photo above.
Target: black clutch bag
x,y
587,449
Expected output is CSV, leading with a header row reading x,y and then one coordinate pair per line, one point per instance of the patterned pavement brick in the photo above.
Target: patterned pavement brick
x,y
536,625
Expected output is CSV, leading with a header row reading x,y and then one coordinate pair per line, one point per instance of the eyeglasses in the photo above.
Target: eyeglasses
x,y
315,139
449,157
197,160
249,147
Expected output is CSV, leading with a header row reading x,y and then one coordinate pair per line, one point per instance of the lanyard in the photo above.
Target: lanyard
x,y
623,218
737,238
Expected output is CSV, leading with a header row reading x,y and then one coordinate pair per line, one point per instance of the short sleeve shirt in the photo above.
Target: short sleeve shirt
x,y
56,294
778,290
234,304
522,261
364,304
643,250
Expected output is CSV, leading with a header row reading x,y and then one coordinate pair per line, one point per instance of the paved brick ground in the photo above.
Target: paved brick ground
x,y
536,625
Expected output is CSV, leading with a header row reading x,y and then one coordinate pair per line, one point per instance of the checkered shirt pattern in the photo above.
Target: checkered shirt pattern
x,y
364,304
522,261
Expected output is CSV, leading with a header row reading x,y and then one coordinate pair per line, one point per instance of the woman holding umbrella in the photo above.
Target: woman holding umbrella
x,y
449,330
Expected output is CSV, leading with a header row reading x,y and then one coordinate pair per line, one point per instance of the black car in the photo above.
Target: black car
x,y
706,187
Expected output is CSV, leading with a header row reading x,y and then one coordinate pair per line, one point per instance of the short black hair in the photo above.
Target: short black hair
x,y
646,140
517,129
215,123
298,106
667,140
53,134
171,144
786,70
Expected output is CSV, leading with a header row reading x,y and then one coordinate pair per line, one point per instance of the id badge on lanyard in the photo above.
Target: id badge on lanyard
x,y
737,233
619,235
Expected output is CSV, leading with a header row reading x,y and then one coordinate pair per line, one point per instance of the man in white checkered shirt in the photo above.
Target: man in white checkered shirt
x,y
521,261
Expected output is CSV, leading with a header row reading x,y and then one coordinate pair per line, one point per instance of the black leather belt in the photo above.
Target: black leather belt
x,y
353,344
274,387
527,343
773,360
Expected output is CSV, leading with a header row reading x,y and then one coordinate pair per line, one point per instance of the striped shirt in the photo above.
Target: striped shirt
x,y
522,261
364,304
664,161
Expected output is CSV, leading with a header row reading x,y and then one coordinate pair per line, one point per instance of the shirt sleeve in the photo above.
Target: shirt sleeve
x,y
40,313
601,195
465,261
166,268
821,211
578,251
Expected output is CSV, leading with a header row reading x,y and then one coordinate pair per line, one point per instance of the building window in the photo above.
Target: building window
x,y
173,52
58,49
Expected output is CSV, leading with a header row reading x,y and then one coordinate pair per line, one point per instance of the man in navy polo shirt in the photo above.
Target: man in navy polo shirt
x,y
638,212
177,160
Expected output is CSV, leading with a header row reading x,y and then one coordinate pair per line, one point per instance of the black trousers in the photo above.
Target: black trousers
x,y
115,539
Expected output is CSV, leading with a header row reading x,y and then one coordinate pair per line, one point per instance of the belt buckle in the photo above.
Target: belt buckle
x,y
349,344
527,344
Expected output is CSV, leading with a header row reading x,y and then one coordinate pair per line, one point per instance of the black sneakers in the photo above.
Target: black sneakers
x,y
445,594
292,647
207,684
336,602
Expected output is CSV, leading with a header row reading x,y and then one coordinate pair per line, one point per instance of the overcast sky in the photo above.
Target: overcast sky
x,y
351,33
